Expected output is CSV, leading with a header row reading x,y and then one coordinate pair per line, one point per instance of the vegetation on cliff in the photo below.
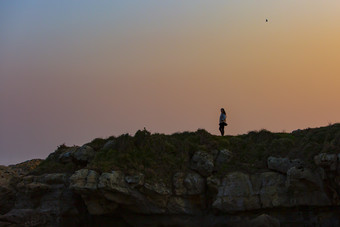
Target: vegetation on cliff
x,y
159,155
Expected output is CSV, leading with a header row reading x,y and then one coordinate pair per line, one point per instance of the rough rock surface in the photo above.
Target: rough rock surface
x,y
223,158
329,161
109,145
188,184
287,193
84,154
203,163
282,165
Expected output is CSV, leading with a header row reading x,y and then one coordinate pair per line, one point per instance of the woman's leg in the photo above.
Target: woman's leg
x,y
221,129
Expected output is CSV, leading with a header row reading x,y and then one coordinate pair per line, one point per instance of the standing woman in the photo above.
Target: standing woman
x,y
223,123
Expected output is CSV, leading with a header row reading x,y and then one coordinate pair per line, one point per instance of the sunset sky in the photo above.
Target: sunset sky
x,y
72,71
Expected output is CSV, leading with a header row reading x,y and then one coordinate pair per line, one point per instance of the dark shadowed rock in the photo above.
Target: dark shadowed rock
x,y
194,184
67,155
282,165
84,179
270,186
328,161
235,193
264,220
188,184
136,180
307,188
223,157
109,145
84,154
203,163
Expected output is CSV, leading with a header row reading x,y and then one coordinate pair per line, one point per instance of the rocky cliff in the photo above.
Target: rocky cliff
x,y
184,179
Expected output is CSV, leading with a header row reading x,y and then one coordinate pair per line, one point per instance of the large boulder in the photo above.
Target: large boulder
x,y
306,188
235,193
270,186
67,155
110,144
282,165
194,184
84,154
297,177
135,181
84,180
224,156
327,161
114,181
203,163
188,184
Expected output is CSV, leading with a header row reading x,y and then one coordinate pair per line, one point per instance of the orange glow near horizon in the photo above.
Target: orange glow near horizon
x,y
70,72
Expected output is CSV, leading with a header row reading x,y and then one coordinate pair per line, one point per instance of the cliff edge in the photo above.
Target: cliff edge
x,y
184,179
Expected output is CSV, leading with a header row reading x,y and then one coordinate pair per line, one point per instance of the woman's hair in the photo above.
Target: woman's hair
x,y
223,111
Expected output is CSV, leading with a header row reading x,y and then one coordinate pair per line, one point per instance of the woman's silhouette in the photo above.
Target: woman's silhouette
x,y
223,123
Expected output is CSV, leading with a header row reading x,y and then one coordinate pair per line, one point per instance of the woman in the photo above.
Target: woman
x,y
223,123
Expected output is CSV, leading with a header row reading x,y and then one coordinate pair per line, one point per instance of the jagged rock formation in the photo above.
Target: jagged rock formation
x,y
203,192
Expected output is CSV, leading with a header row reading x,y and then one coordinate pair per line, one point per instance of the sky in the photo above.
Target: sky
x,y
72,71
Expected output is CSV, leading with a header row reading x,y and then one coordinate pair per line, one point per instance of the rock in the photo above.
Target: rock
x,y
213,184
282,165
264,220
155,196
194,184
115,189
8,180
178,180
328,161
25,217
53,178
223,157
36,188
84,154
157,187
114,181
235,193
38,204
84,179
78,179
295,175
306,188
26,167
270,186
203,162
67,155
99,205
135,180
109,145
179,205
188,184
92,180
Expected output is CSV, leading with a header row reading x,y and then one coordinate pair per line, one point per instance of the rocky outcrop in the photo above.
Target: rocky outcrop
x,y
209,191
